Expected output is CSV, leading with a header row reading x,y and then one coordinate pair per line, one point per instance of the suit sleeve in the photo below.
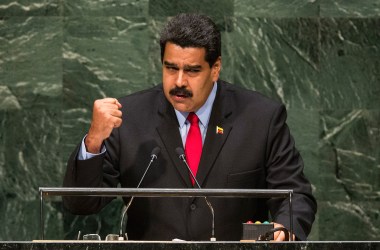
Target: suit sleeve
x,y
285,171
99,171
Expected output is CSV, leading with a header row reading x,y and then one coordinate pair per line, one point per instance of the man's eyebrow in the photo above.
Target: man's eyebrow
x,y
166,63
187,67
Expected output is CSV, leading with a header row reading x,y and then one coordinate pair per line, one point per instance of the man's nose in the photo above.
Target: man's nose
x,y
181,79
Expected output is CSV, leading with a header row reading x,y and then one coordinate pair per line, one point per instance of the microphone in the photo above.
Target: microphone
x,y
153,157
181,155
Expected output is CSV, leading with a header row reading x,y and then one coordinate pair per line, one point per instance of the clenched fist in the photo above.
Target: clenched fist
x,y
105,117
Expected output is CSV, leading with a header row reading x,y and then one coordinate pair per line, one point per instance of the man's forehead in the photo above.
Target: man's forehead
x,y
184,56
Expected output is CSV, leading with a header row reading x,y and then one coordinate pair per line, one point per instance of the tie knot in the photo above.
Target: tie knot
x,y
193,118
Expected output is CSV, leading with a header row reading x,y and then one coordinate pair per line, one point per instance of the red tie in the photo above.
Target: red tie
x,y
193,147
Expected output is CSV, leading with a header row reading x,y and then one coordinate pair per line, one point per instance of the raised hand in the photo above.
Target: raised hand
x,y
106,116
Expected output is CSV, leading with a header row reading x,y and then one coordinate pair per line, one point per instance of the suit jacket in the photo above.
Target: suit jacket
x,y
255,151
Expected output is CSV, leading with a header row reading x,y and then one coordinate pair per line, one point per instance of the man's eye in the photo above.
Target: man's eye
x,y
171,68
193,70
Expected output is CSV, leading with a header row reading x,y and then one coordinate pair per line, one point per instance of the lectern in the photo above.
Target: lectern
x,y
165,192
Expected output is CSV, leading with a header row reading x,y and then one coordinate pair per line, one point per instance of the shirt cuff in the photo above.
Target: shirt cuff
x,y
84,155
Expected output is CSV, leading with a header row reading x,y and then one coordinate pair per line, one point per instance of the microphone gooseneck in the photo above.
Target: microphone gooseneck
x,y
181,154
153,157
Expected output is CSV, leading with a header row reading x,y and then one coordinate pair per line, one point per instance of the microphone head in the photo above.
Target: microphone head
x,y
156,151
179,151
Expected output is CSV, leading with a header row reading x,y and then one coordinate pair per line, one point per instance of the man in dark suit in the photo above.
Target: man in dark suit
x,y
239,139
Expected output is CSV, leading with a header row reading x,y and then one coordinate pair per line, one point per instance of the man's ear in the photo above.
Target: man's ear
x,y
216,69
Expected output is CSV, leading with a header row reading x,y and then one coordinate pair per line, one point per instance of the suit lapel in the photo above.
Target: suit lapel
x,y
171,138
221,112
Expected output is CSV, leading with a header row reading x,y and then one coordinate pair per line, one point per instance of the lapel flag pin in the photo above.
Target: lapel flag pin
x,y
219,130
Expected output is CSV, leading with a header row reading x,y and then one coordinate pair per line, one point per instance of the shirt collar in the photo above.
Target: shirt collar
x,y
203,113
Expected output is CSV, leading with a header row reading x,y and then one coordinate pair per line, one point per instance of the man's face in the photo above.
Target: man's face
x,y
187,77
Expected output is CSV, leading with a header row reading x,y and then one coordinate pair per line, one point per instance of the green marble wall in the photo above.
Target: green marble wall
x,y
320,57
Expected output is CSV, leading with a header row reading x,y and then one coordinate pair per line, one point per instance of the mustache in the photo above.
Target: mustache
x,y
181,91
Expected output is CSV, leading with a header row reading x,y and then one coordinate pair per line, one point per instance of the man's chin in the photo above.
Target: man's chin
x,y
182,107
180,104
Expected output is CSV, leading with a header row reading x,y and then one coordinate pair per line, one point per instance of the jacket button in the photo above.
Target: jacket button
x,y
193,206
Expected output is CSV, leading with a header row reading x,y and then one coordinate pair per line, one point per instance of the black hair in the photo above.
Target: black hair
x,y
193,30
